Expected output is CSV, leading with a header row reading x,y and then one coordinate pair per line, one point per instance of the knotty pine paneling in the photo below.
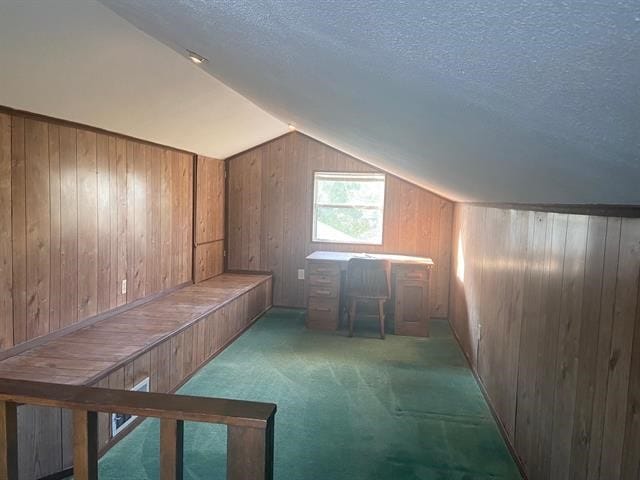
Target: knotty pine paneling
x,y
270,208
80,211
546,307
209,218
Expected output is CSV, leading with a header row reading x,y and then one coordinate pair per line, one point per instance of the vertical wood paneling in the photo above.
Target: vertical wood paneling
x,y
123,207
38,227
38,459
577,357
140,222
68,227
270,202
588,343
55,231
625,314
209,218
6,256
87,225
273,218
605,320
104,223
80,212
19,230
113,222
153,165
568,339
166,221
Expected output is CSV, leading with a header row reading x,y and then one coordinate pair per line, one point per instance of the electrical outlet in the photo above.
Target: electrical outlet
x,y
124,286
301,274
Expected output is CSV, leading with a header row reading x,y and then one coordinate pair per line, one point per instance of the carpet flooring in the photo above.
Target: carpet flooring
x,y
348,408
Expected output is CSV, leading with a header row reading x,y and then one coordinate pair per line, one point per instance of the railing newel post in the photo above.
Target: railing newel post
x,y
8,440
250,452
171,449
85,445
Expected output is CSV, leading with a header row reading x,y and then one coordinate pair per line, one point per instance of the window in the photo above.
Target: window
x,y
348,207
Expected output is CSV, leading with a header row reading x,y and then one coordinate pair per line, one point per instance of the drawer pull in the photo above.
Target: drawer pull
x,y
324,282
414,275
323,269
322,309
323,292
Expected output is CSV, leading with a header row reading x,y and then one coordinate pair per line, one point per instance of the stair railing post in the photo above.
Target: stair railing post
x,y
250,452
171,449
85,445
8,440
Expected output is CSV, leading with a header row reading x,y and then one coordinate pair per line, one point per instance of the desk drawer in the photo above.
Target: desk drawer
x,y
324,268
322,313
411,272
324,280
328,291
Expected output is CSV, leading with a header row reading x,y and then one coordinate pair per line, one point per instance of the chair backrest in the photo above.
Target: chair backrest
x,y
369,278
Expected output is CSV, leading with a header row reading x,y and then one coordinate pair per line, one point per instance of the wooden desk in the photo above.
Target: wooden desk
x,y
409,290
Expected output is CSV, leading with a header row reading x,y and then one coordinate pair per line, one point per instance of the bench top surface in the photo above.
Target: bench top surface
x,y
80,356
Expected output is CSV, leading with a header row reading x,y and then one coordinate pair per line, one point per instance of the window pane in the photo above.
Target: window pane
x,y
348,207
350,192
348,224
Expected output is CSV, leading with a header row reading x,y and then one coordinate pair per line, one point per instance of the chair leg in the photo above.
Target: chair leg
x,y
381,313
352,315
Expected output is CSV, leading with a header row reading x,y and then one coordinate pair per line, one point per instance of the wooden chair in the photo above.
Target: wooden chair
x,y
368,279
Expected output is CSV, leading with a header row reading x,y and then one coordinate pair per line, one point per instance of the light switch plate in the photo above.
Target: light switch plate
x,y
301,274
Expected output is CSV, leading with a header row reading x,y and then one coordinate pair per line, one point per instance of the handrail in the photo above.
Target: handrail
x,y
250,426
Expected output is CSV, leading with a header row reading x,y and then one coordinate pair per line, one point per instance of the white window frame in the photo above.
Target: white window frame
x,y
348,176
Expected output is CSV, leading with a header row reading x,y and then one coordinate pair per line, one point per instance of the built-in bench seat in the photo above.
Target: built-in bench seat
x,y
166,340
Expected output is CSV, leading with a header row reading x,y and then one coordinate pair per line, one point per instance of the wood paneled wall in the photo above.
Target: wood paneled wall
x,y
80,211
546,306
209,231
270,208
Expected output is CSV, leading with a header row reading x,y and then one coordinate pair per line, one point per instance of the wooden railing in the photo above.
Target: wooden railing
x,y
249,432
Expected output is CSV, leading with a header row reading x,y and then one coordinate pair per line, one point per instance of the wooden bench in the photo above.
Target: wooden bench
x,y
167,340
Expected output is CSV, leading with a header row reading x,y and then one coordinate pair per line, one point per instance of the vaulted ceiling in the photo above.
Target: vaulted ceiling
x,y
507,101
493,101
78,61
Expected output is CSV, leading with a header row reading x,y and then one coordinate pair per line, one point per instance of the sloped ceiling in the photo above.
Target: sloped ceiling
x,y
508,101
79,61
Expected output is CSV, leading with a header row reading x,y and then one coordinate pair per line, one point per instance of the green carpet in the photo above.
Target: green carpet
x,y
348,408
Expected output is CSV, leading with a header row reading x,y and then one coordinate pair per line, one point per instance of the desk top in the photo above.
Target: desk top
x,y
346,256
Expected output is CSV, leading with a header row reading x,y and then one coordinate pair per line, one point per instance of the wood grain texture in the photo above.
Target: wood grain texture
x,y
270,207
553,298
171,449
167,339
85,445
6,256
80,212
8,441
208,252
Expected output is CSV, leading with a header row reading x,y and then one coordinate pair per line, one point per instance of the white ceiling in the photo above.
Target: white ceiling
x,y
509,101
79,61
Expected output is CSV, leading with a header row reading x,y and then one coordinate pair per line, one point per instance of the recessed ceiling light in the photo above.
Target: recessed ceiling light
x,y
195,58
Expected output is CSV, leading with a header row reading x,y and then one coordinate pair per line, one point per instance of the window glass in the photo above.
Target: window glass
x,y
348,207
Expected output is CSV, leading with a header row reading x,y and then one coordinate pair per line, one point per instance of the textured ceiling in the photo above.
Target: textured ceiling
x,y
79,61
510,101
